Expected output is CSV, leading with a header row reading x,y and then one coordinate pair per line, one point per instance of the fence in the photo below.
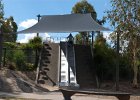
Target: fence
x,y
22,59
76,41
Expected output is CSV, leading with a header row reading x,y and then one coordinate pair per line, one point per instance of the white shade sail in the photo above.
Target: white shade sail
x,y
65,23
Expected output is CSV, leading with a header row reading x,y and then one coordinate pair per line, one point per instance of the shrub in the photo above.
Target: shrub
x,y
30,67
11,66
19,59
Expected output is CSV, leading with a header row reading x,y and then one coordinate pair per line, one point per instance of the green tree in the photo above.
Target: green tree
x,y
36,44
7,27
123,16
1,37
84,7
104,58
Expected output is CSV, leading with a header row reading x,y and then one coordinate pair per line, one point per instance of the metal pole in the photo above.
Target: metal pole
x,y
117,63
60,65
38,16
36,51
92,39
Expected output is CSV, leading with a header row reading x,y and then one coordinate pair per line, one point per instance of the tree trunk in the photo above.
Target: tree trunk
x,y
135,67
1,47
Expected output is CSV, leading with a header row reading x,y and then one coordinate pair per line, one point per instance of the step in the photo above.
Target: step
x,y
46,69
48,48
43,72
44,78
45,62
40,81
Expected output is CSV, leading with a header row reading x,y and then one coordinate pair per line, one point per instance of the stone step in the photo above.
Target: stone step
x,y
48,48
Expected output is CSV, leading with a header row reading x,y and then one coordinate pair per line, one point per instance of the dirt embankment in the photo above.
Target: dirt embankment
x,y
16,81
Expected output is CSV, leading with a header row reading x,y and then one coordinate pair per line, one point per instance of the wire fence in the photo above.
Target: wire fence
x,y
21,59
82,41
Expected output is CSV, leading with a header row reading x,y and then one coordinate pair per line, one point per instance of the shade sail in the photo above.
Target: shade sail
x,y
65,23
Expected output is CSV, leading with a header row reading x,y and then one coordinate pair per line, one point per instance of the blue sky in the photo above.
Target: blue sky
x,y
25,11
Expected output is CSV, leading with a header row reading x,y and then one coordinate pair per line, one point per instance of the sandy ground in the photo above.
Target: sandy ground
x,y
55,96
10,89
50,96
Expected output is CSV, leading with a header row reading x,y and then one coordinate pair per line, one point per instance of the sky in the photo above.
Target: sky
x,y
25,13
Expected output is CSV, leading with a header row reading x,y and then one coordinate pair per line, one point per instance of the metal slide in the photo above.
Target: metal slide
x,y
68,68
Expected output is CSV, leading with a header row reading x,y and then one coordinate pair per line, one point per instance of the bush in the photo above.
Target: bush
x,y
19,59
29,67
11,66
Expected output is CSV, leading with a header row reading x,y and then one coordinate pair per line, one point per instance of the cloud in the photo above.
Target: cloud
x,y
26,37
106,34
27,23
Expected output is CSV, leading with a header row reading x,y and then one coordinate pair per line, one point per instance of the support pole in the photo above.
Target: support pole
x,y
4,57
92,39
36,51
59,66
38,16
1,45
117,63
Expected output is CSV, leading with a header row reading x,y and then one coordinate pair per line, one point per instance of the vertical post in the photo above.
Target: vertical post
x,y
60,65
68,64
92,38
69,74
1,44
38,16
117,63
36,51
94,69
4,57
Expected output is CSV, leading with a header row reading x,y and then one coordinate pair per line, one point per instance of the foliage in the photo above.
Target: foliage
x,y
10,45
105,61
19,56
83,7
1,10
123,16
19,59
8,28
30,67
35,43
104,58
126,71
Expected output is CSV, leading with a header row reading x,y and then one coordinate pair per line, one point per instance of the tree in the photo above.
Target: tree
x,y
7,26
1,39
123,16
84,7
104,59
36,44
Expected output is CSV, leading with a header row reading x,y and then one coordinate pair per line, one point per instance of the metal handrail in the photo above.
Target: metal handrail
x,y
39,65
